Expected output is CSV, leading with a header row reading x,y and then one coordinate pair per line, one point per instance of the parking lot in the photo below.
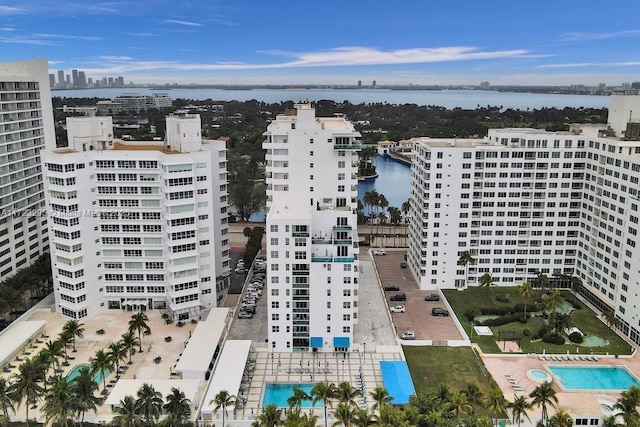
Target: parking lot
x,y
417,316
255,328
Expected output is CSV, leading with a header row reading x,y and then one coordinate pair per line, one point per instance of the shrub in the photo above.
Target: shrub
x,y
502,298
576,337
553,338
526,332
544,330
504,319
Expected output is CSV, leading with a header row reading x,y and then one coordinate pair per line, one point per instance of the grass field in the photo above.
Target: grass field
x,y
456,367
584,319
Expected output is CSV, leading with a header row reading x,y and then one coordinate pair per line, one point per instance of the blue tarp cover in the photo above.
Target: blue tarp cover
x,y
397,381
341,341
316,341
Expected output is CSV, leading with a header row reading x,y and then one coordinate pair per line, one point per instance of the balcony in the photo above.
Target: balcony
x,y
321,241
342,228
300,234
351,145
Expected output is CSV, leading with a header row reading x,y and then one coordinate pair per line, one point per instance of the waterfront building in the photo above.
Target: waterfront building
x,y
525,202
26,115
311,231
137,224
61,82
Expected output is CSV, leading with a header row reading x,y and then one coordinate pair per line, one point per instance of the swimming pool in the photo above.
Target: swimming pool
x,y
593,378
279,393
539,376
97,377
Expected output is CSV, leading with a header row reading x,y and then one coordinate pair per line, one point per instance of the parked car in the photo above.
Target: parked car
x,y
245,315
391,287
437,311
249,309
398,297
380,252
240,270
408,335
432,297
403,264
397,309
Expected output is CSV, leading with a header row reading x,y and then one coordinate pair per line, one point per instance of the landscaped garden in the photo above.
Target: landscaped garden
x,y
549,316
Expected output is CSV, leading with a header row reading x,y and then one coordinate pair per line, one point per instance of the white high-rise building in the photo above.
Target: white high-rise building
x,y
526,201
26,127
312,250
137,224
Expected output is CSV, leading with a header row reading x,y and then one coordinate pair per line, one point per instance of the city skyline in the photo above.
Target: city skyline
x,y
405,42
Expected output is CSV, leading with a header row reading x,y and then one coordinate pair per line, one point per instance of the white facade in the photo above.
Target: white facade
x,y
135,224
26,127
312,251
524,201
623,109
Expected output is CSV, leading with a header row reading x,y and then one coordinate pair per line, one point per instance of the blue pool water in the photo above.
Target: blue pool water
x,y
397,380
97,377
594,378
277,393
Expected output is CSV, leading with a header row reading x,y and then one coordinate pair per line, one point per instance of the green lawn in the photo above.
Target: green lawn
x,y
454,366
584,319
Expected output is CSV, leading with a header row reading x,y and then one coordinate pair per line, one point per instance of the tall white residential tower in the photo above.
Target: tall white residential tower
x,y
26,127
137,224
527,201
312,251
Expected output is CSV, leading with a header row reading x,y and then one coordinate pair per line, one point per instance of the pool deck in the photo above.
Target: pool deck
x,y
583,403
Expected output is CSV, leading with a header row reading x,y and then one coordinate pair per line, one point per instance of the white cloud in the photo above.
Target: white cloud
x,y
592,64
186,23
10,10
142,34
31,41
66,37
599,36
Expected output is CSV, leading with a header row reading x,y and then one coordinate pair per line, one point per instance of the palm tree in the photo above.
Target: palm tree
x,y
344,414
139,323
553,301
127,413
347,394
65,339
473,393
178,407
149,402
361,417
405,207
324,392
519,408
383,203
84,389
370,199
561,419
271,416
75,330
458,406
628,403
223,400
102,362
54,351
542,280
45,362
464,260
26,384
59,402
542,396
296,400
380,396
487,281
495,402
117,353
5,399
129,341
526,291
610,421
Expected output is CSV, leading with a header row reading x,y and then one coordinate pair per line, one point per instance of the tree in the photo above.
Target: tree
x,y
59,402
519,408
458,406
627,404
561,419
178,407
542,280
139,323
347,394
380,396
324,392
406,207
129,342
464,260
54,351
296,400
542,396
26,384
149,403
117,353
473,394
84,389
127,414
65,339
344,414
223,400
271,416
495,402
526,291
361,417
487,281
553,301
101,363
5,399
75,330
395,216
370,199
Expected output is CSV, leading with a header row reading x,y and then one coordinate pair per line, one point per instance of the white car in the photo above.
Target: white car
x,y
380,252
397,309
408,335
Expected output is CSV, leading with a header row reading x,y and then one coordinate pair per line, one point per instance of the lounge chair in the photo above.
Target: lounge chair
x,y
594,358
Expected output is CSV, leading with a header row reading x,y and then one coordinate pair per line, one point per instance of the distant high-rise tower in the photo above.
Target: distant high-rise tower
x,y
75,81
359,84
52,80
27,129
61,83
373,84
68,78
311,230
82,79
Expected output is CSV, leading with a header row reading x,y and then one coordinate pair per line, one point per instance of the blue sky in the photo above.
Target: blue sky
x,y
521,42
